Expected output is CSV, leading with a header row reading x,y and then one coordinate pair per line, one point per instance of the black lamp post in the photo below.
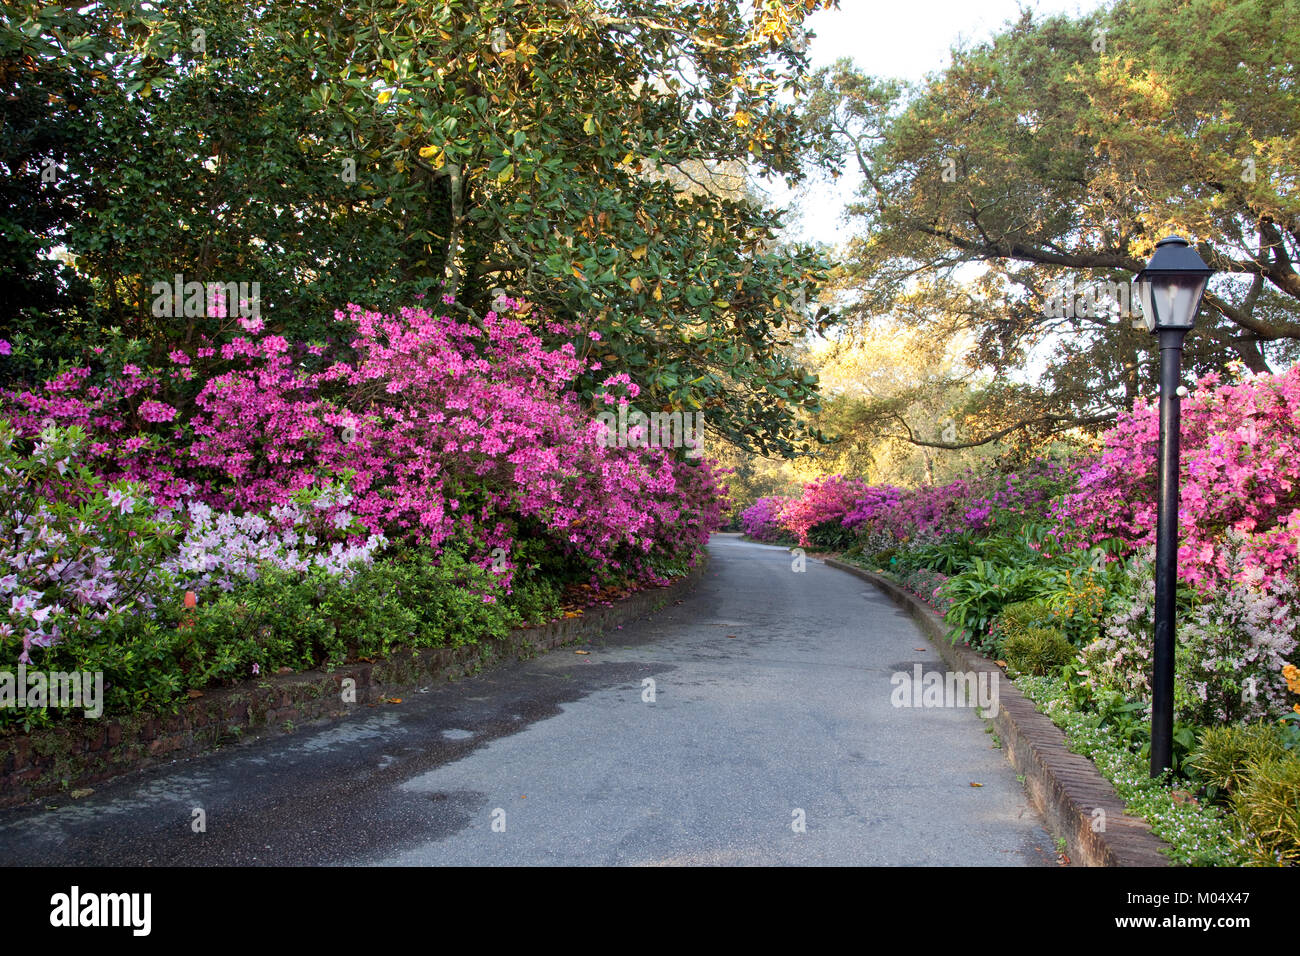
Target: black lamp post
x,y
1171,288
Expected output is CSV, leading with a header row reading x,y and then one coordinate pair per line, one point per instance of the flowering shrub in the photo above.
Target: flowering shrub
x,y
1240,471
79,552
873,502
263,503
824,499
1233,644
223,548
762,519
74,548
447,433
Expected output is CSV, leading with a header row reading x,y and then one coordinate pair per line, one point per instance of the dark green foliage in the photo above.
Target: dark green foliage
x,y
1224,754
1268,808
1037,650
830,536
284,619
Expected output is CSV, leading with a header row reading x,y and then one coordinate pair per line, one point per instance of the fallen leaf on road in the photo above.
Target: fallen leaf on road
x,y
78,794
977,784
194,694
392,700
582,652
1000,663
731,637
920,648
284,670
1062,859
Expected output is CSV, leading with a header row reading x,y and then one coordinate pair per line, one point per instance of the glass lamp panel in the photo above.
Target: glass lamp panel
x,y
1175,299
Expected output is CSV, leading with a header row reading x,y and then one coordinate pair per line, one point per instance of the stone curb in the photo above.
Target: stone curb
x,y
1066,788
77,755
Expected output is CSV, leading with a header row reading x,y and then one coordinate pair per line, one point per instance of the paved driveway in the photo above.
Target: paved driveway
x,y
771,738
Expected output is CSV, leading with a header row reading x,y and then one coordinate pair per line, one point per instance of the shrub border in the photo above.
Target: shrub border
x,y
85,752
1064,787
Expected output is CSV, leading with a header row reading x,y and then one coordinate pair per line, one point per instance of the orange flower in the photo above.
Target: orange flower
x,y
1292,675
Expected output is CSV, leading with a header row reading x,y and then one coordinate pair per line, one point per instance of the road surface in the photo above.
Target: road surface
x,y
751,723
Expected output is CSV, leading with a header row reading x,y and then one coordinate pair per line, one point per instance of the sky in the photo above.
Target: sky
x,y
904,39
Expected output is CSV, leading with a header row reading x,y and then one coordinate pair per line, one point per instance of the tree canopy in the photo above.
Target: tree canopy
x,y
392,149
1053,158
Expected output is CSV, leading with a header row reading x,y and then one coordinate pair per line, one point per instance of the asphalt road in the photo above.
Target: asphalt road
x,y
772,738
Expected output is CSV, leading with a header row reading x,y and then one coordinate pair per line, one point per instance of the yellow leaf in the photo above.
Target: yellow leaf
x,y
428,151
577,272
636,284
658,294
385,96
742,118
639,252
627,160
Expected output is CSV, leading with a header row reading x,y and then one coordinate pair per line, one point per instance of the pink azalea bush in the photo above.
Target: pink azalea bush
x,y
874,502
1240,471
446,433
823,499
1239,531
416,431
762,519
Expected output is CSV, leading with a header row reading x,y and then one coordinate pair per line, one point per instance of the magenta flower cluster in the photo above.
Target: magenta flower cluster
x,y
823,499
1240,472
444,432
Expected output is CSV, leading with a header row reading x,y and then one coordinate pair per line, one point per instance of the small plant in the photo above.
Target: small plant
x,y
1014,621
1224,755
1268,808
1037,651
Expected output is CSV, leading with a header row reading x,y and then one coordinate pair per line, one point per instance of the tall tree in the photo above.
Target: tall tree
x,y
1053,158
457,148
